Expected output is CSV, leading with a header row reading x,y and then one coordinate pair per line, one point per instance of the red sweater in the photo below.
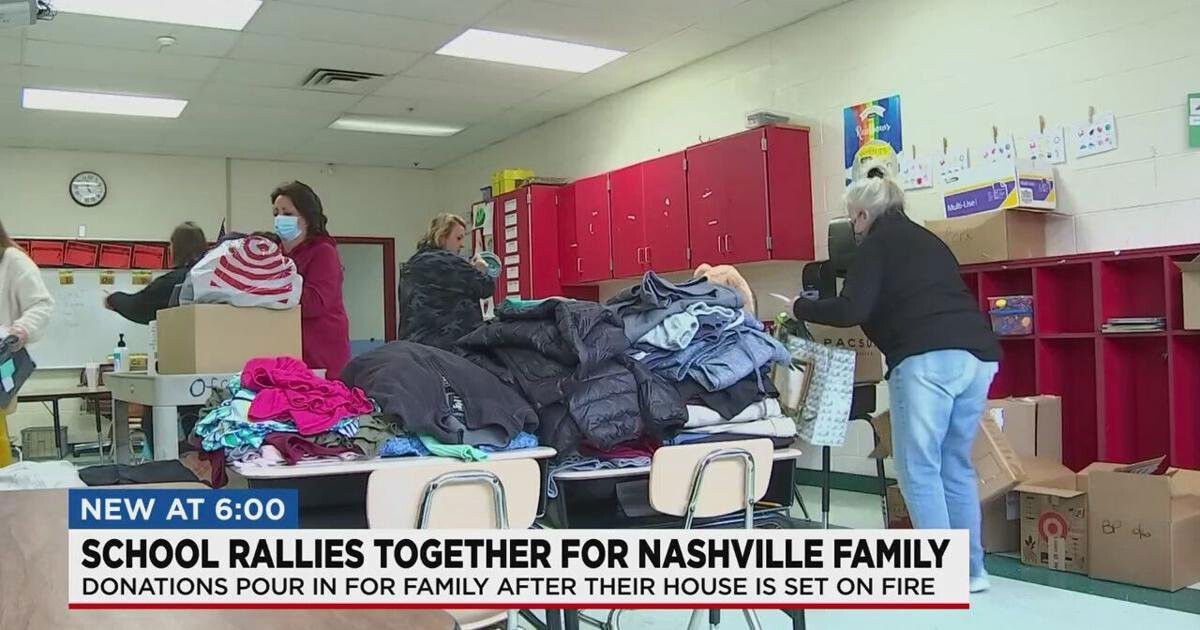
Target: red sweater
x,y
325,327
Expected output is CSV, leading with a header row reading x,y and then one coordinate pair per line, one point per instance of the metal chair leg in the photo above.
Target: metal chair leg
x,y
826,480
714,618
798,621
752,620
511,622
694,622
800,500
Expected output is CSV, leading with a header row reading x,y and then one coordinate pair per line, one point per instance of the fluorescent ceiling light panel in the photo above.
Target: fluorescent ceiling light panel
x,y
521,50
378,124
97,103
227,14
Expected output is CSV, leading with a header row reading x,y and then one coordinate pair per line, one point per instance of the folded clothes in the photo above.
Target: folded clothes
x,y
426,446
645,305
227,425
705,438
717,357
641,447
577,462
679,330
294,448
778,426
287,388
699,416
730,401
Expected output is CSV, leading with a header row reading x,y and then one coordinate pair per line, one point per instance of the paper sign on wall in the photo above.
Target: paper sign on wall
x,y
108,277
66,277
915,173
1047,147
950,165
1194,119
481,216
141,278
1003,150
1097,136
872,130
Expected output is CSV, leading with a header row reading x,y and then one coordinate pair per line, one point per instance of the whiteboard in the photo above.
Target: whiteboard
x,y
81,329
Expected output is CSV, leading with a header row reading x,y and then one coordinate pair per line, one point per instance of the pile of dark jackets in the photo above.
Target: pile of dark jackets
x,y
568,359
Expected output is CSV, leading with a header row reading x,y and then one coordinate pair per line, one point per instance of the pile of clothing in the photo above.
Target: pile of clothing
x,y
277,412
569,360
698,336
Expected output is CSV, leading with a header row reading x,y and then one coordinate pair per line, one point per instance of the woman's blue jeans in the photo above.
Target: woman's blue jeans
x,y
937,399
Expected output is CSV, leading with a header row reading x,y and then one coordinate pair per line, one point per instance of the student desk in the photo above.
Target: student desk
x,y
53,396
164,393
333,494
33,570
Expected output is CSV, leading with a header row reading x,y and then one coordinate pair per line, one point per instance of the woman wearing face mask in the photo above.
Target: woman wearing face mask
x,y
300,224
439,290
905,290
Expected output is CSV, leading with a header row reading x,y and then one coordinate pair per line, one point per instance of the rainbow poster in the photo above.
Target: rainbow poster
x,y
872,130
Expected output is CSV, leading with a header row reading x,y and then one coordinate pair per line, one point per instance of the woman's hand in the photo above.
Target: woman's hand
x,y
21,334
479,263
104,300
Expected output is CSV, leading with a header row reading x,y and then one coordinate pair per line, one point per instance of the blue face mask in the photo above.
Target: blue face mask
x,y
288,228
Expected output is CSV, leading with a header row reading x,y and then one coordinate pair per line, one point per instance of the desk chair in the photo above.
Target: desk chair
x,y
706,480
457,495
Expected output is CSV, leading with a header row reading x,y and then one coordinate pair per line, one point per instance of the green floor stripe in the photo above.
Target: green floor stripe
x,y
1185,600
849,482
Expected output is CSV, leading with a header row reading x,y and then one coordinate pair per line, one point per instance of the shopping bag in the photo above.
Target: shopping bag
x,y
246,272
15,368
820,398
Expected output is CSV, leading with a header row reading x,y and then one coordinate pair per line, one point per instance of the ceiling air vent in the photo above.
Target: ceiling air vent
x,y
339,80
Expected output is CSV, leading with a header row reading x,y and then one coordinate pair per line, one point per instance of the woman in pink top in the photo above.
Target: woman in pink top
x,y
325,329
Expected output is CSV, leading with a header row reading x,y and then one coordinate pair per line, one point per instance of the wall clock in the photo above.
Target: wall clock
x,y
88,189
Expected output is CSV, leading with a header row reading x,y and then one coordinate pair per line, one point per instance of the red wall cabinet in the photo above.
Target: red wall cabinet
x,y
569,265
650,217
525,223
592,231
750,197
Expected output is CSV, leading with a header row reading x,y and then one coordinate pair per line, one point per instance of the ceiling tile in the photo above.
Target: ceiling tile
x,y
331,25
282,98
10,74
755,17
91,30
58,55
533,81
457,12
414,88
461,111
595,27
260,73
108,81
350,147
10,51
242,120
85,131
683,12
314,54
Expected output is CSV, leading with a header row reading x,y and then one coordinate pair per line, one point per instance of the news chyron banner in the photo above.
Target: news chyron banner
x,y
242,549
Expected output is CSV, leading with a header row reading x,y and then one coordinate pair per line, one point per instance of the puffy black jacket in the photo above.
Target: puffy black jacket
x,y
439,298
568,359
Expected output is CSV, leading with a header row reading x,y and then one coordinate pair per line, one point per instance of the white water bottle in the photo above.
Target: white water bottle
x,y
120,356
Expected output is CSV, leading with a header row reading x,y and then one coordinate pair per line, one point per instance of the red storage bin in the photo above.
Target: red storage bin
x,y
46,253
149,257
24,245
81,254
115,256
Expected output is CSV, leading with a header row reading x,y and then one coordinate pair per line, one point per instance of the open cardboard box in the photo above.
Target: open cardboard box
x,y
1033,425
1144,529
993,236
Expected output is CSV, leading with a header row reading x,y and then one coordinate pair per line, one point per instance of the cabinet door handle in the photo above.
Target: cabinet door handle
x,y
647,248
579,265
639,255
720,244
728,247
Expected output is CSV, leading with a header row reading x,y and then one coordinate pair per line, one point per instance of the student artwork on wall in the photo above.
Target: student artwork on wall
x,y
1091,137
951,164
915,172
1002,150
872,130
1046,147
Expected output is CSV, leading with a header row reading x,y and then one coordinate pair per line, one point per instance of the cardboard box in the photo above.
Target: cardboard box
x,y
1001,185
868,364
996,464
882,424
1145,529
1191,293
218,338
898,517
1001,522
993,236
1033,425
1054,525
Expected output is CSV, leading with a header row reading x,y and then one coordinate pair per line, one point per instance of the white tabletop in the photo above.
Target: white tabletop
x,y
68,391
168,390
608,473
321,468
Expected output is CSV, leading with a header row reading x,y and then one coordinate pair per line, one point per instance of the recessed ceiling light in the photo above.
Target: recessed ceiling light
x,y
522,50
227,14
378,124
98,103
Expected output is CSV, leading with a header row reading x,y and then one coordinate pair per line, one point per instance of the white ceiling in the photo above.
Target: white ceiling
x,y
244,87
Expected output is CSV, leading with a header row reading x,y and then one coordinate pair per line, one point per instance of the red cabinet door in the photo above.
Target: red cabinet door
x,y
744,184
592,226
569,264
541,279
628,222
789,181
665,210
706,223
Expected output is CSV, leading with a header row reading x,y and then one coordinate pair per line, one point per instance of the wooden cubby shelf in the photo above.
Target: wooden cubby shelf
x,y
1126,396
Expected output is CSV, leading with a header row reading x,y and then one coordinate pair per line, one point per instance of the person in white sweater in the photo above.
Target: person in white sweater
x,y
25,309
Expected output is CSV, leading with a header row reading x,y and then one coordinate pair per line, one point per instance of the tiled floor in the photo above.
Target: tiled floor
x,y
1009,605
